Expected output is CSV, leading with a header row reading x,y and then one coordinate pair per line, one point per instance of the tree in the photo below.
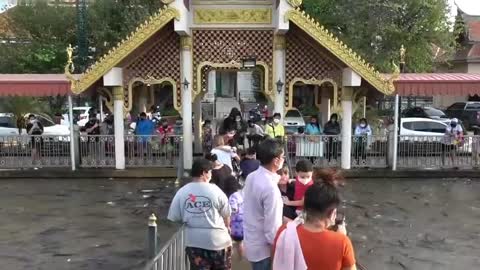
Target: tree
x,y
45,30
377,28
20,107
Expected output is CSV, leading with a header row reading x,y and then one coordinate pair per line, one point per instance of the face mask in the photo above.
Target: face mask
x,y
334,120
362,125
238,119
32,121
276,120
313,123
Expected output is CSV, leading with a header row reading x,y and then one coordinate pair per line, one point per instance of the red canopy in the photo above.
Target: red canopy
x,y
34,85
438,84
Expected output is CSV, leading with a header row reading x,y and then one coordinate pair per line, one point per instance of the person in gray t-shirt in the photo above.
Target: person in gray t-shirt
x,y
205,211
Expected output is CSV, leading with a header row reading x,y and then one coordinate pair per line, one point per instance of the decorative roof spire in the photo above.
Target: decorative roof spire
x,y
403,53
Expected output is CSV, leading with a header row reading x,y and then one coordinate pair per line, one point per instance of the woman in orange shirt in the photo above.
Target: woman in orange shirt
x,y
322,249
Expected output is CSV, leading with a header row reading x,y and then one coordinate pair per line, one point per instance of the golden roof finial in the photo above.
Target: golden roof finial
x,y
69,67
403,52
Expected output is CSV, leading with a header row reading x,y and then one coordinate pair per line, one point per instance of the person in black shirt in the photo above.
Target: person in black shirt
x,y
92,127
35,129
332,129
249,163
287,189
221,173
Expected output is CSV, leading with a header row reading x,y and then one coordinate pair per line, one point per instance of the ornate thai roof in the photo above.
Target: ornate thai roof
x,y
156,22
124,48
341,51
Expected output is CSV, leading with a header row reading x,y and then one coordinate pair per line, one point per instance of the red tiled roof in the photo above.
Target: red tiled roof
x,y
34,85
438,84
474,51
474,30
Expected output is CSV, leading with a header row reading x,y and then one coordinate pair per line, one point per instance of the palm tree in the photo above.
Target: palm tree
x,y
19,107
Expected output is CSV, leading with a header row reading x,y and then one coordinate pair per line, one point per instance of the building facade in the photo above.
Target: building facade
x,y
192,46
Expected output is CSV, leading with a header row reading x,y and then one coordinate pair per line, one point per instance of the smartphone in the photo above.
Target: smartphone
x,y
340,218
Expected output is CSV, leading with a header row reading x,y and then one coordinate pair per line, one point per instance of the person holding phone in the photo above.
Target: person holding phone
x,y
318,246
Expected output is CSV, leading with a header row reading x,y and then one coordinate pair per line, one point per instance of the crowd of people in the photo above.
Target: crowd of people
x,y
261,214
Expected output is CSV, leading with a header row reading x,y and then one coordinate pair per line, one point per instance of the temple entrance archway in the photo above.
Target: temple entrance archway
x,y
313,96
145,93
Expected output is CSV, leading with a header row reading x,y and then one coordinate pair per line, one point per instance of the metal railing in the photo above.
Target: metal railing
x,y
369,151
172,255
323,150
438,152
152,151
33,151
97,151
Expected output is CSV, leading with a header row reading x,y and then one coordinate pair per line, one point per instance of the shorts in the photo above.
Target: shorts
x,y
449,147
203,259
237,238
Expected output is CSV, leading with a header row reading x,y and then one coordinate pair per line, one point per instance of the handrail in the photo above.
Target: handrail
x,y
172,254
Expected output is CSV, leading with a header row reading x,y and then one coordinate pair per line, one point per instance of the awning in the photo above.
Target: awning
x,y
438,84
34,85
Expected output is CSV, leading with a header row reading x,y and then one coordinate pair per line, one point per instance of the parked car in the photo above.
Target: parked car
x,y
426,112
293,120
467,112
81,114
427,134
9,127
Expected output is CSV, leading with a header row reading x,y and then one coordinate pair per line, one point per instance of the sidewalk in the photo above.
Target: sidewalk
x,y
171,173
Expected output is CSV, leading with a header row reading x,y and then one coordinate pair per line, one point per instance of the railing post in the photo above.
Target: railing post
x,y
152,237
180,167
395,132
76,144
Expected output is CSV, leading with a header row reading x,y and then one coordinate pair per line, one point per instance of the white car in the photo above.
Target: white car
x,y
81,114
8,126
426,130
293,120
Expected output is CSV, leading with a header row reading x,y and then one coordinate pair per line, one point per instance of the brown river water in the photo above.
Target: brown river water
x,y
101,224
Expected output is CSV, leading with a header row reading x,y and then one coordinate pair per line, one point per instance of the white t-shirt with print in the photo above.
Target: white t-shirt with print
x,y
224,156
202,207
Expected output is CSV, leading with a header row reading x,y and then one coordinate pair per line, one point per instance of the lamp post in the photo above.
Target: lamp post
x,y
82,41
280,85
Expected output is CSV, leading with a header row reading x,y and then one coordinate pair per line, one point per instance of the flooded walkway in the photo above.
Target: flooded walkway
x,y
101,224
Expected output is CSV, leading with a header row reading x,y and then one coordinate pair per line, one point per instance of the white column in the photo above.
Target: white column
x,y
118,114
72,136
346,127
197,111
187,74
114,78
100,108
350,79
279,75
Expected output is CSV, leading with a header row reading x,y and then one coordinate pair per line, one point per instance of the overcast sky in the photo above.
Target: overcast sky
x,y
471,7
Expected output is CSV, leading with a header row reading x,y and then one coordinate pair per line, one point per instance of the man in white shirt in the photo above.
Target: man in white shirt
x,y
263,206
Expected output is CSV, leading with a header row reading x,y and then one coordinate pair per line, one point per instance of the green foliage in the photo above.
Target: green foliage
x,y
308,111
169,112
20,107
377,28
46,30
